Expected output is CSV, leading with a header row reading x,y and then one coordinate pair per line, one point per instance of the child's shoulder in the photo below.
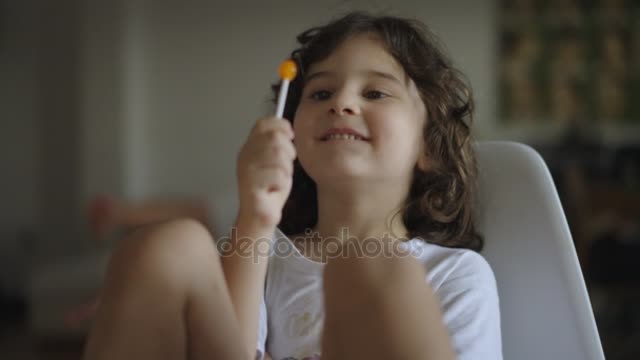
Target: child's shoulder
x,y
462,267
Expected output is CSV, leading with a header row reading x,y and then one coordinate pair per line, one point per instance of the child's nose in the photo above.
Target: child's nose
x,y
342,110
343,104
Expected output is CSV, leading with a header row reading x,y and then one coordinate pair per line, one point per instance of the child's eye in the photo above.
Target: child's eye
x,y
320,95
374,95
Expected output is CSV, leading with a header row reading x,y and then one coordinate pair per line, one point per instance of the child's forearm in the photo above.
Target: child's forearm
x,y
264,184
245,267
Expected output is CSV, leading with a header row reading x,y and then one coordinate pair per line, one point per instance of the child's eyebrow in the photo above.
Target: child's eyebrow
x,y
385,75
319,75
374,73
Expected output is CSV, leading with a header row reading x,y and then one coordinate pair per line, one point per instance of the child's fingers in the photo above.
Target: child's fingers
x,y
272,149
261,148
265,169
279,161
273,124
278,153
285,148
273,178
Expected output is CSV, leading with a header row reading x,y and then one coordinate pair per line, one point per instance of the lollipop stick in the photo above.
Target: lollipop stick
x,y
282,97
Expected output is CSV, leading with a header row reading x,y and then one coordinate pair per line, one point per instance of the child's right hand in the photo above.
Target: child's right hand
x,y
265,173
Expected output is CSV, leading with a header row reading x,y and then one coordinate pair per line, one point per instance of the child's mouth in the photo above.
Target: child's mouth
x,y
332,137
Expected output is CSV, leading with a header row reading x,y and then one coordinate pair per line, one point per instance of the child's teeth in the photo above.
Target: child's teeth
x,y
343,137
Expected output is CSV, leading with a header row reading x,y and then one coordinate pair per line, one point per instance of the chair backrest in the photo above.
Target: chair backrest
x,y
545,308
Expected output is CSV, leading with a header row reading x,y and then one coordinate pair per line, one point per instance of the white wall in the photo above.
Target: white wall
x,y
103,125
204,69
18,122
39,167
19,150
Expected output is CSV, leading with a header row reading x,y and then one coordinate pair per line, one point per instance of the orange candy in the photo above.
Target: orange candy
x,y
288,70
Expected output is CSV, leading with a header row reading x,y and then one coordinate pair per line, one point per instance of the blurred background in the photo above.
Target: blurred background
x,y
114,109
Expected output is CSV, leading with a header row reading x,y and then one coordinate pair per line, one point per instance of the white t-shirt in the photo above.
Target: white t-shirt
x,y
292,311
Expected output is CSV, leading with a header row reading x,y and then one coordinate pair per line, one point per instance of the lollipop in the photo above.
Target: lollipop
x,y
288,72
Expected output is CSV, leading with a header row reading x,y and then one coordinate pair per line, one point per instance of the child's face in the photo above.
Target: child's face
x,y
361,88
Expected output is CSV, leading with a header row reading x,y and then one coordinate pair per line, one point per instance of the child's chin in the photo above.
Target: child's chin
x,y
341,172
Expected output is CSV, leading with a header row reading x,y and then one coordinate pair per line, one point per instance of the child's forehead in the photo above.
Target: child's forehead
x,y
360,54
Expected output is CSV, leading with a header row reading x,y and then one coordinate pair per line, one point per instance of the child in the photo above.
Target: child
x,y
380,166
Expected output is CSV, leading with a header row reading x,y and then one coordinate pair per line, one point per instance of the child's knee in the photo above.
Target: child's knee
x,y
171,251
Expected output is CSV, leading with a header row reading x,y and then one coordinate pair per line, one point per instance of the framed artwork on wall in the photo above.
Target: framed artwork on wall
x,y
569,61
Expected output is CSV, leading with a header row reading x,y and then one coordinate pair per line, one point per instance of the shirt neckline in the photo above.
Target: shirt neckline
x,y
285,249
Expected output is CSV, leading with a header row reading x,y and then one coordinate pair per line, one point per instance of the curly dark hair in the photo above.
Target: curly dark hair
x,y
440,202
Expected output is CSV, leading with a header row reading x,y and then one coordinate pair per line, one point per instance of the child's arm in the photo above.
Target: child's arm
x,y
245,268
265,169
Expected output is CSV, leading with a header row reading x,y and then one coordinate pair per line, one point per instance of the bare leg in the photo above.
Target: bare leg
x,y
165,297
381,308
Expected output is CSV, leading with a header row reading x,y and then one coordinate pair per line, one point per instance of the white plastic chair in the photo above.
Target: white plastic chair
x,y
545,308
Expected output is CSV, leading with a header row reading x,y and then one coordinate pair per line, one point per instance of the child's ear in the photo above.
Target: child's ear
x,y
423,162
